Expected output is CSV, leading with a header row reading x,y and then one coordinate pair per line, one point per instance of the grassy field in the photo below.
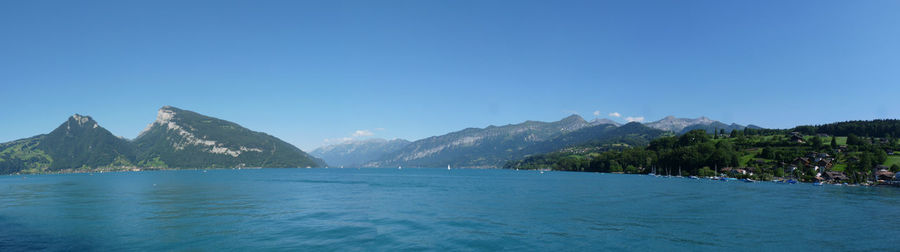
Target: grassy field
x,y
839,167
745,159
891,160
841,140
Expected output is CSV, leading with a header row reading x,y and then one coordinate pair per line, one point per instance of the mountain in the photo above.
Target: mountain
x,y
600,121
358,152
632,134
177,139
684,125
78,142
709,128
474,147
185,139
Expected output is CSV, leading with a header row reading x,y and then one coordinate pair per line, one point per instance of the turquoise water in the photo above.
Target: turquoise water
x,y
432,209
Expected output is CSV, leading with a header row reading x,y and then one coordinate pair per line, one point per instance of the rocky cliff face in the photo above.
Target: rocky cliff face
x,y
182,138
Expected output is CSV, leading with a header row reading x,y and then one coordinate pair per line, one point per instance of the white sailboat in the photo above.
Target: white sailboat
x,y
399,167
448,167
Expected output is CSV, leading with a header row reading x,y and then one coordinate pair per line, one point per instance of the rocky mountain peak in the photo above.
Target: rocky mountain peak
x,y
80,121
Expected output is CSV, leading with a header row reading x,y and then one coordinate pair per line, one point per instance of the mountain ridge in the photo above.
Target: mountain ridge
x,y
358,152
492,146
171,141
684,125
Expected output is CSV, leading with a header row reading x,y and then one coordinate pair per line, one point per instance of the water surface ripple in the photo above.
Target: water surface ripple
x,y
432,209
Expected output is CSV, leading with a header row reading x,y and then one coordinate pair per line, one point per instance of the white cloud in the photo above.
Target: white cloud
x,y
597,113
634,119
362,133
379,129
615,114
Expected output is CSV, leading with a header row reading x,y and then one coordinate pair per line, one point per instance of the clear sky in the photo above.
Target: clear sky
x,y
306,71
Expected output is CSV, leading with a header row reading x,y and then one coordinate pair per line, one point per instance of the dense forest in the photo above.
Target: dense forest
x,y
803,153
874,128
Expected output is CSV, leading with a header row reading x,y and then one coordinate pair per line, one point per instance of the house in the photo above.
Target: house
x,y
834,176
801,161
825,163
884,175
796,137
791,168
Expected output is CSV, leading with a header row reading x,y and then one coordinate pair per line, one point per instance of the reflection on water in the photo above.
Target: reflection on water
x,y
387,209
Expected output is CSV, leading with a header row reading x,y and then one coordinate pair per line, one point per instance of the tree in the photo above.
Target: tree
x,y
767,153
693,137
895,168
721,131
816,142
615,166
880,156
865,164
706,172
834,142
852,139
631,169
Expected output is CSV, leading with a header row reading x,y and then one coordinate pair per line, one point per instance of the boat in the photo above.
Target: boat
x,y
748,180
694,177
399,167
448,167
818,184
791,181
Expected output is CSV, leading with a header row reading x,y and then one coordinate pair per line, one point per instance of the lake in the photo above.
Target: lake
x,y
433,209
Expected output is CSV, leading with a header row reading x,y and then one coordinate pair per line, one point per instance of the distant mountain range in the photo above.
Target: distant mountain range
x,y
358,152
474,147
185,139
177,139
683,125
493,146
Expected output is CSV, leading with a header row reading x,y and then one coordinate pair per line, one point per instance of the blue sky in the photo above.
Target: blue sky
x,y
306,71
